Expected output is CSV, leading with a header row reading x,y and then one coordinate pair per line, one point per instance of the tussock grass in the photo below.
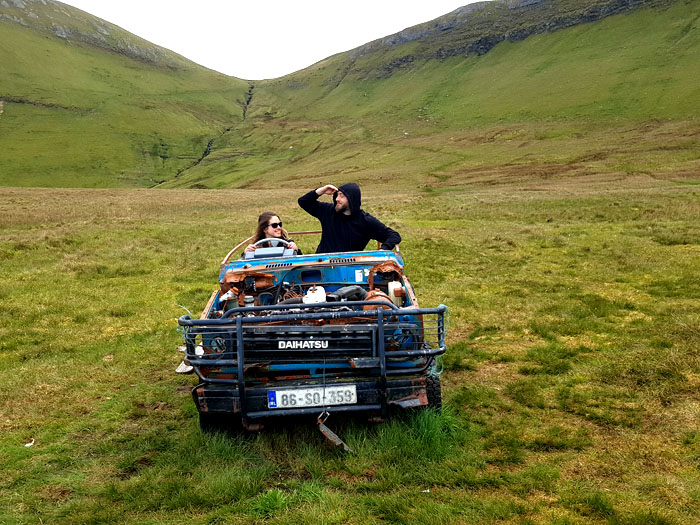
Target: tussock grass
x,y
570,383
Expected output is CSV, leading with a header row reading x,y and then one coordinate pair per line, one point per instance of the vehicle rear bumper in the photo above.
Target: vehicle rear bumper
x,y
372,397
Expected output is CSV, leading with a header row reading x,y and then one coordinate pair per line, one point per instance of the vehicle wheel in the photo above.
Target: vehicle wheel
x,y
210,423
434,392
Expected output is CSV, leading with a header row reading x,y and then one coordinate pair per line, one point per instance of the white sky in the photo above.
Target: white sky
x,y
258,39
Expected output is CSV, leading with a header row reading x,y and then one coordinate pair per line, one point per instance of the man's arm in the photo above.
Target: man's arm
x,y
309,201
382,233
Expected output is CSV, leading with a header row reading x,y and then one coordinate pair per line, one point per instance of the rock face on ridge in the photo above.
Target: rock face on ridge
x,y
477,28
73,25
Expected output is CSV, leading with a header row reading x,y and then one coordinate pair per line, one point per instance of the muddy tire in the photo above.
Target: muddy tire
x,y
434,392
210,423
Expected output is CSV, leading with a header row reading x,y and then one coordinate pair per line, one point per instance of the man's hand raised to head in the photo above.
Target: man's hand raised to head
x,y
328,189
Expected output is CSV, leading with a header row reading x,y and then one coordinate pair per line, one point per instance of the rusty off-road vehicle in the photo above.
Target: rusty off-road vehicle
x,y
292,335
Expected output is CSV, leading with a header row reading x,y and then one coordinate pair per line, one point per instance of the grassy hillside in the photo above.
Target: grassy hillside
x,y
638,65
79,114
571,379
616,95
97,107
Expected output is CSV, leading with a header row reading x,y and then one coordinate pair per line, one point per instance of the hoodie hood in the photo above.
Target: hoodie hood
x,y
354,195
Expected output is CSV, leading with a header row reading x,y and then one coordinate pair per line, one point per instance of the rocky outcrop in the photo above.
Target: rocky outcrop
x,y
74,25
245,104
476,28
39,103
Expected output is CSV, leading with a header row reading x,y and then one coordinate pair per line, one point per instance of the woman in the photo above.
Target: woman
x,y
270,227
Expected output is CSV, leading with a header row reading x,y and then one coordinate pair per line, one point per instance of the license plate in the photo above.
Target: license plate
x,y
312,397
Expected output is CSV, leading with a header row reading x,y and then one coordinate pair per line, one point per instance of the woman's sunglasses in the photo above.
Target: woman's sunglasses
x,y
275,225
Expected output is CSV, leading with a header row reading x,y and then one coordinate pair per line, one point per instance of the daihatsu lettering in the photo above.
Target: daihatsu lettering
x,y
284,345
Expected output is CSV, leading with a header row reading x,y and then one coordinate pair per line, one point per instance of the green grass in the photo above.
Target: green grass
x,y
616,97
547,192
570,382
75,115
636,66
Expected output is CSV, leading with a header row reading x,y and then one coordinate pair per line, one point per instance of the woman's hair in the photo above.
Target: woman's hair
x,y
263,221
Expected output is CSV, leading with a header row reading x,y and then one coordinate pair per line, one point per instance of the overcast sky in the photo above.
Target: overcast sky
x,y
264,38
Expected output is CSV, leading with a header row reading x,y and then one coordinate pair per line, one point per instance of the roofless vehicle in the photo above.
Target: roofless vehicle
x,y
288,335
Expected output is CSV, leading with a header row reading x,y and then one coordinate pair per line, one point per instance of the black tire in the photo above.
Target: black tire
x,y
434,392
210,423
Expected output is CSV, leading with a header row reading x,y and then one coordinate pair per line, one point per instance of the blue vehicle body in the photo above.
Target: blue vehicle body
x,y
291,335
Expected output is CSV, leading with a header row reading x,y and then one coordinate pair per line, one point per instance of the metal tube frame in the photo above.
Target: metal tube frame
x,y
378,343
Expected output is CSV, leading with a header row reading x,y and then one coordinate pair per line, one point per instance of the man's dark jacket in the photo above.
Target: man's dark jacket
x,y
347,233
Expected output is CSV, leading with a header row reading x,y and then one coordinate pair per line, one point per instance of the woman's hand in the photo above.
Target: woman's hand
x,y
293,246
250,248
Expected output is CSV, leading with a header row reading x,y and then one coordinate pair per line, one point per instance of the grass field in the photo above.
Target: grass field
x,y
547,192
77,116
571,381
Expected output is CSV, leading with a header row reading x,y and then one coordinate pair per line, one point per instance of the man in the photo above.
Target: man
x,y
346,227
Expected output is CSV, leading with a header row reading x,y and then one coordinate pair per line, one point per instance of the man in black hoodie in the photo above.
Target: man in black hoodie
x,y
346,227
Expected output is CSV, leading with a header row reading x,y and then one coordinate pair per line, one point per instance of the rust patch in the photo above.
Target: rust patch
x,y
332,436
235,278
221,376
262,367
377,295
384,267
417,399
202,400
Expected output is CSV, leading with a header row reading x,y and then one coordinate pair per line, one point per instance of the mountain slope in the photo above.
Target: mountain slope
x,y
598,91
651,40
559,87
476,28
88,104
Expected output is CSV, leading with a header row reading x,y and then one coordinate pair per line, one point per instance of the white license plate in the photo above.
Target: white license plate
x,y
312,397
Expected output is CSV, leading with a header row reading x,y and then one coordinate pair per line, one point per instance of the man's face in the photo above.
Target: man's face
x,y
341,203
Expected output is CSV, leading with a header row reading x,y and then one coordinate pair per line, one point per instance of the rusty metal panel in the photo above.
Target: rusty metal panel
x,y
332,436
